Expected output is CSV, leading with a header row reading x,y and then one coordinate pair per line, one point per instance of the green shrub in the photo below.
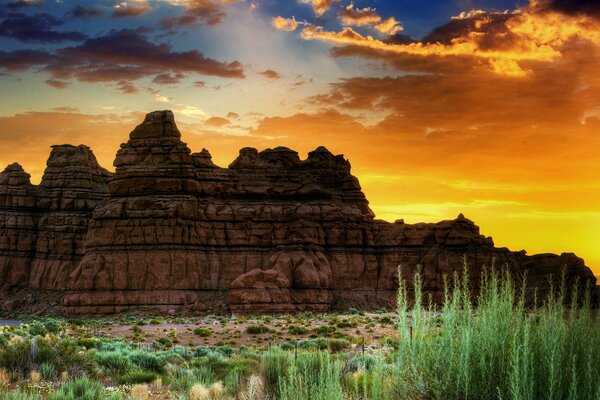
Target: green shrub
x,y
148,361
114,363
203,332
297,330
79,389
48,372
14,357
500,349
257,329
18,395
325,330
135,377
337,345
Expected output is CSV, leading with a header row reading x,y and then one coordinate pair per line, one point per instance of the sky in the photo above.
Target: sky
x,y
490,108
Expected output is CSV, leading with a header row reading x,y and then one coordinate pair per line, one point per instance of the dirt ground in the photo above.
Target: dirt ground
x,y
236,332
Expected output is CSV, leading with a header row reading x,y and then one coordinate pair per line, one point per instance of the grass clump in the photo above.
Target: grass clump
x,y
493,347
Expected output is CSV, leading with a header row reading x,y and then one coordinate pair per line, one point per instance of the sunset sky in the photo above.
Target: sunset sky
x,y
489,108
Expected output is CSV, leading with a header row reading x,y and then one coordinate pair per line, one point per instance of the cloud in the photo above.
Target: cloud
x,y
126,87
233,115
368,16
22,60
571,7
85,13
210,12
36,28
119,56
200,84
217,122
15,5
56,84
358,16
505,43
271,74
285,24
131,9
168,79
320,6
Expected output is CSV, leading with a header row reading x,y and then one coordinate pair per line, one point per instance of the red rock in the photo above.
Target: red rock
x,y
272,233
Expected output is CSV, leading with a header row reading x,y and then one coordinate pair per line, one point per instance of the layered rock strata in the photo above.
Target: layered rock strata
x,y
270,233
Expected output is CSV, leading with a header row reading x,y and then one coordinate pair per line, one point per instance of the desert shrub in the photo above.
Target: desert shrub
x,y
313,344
79,389
314,376
500,349
287,346
48,371
114,363
257,329
365,362
325,330
53,325
136,377
140,392
203,332
274,366
18,395
37,328
297,330
163,341
337,345
148,361
14,357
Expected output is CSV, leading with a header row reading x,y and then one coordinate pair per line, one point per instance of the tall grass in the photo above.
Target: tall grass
x,y
493,347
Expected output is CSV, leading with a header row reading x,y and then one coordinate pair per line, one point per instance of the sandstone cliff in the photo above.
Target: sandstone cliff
x,y
271,233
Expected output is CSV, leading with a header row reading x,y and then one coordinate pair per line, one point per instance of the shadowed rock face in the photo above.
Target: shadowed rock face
x,y
271,233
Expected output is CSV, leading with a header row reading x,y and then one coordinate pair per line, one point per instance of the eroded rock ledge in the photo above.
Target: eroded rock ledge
x,y
270,233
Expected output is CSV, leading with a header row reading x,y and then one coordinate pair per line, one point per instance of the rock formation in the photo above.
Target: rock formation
x,y
271,233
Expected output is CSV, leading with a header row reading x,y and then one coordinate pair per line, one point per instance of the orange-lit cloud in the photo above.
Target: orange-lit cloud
x,y
503,43
368,16
285,24
320,6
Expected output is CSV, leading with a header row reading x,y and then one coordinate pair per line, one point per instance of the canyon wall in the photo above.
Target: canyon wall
x,y
271,233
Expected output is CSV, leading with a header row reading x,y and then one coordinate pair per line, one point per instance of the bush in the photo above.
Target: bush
x,y
502,350
257,329
114,363
203,332
148,361
18,395
79,389
337,345
297,330
325,330
48,372
136,377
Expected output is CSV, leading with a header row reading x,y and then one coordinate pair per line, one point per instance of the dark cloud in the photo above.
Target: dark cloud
x,y
36,28
119,56
82,12
15,5
168,79
127,54
271,74
56,84
21,60
209,12
129,11
489,29
126,87
574,7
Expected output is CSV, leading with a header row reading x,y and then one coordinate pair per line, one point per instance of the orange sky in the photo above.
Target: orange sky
x,y
495,114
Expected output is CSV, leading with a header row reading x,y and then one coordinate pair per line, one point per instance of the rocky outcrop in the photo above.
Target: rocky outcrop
x,y
270,233
43,227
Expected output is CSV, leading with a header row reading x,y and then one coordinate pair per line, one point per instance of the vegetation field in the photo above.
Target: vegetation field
x,y
489,347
